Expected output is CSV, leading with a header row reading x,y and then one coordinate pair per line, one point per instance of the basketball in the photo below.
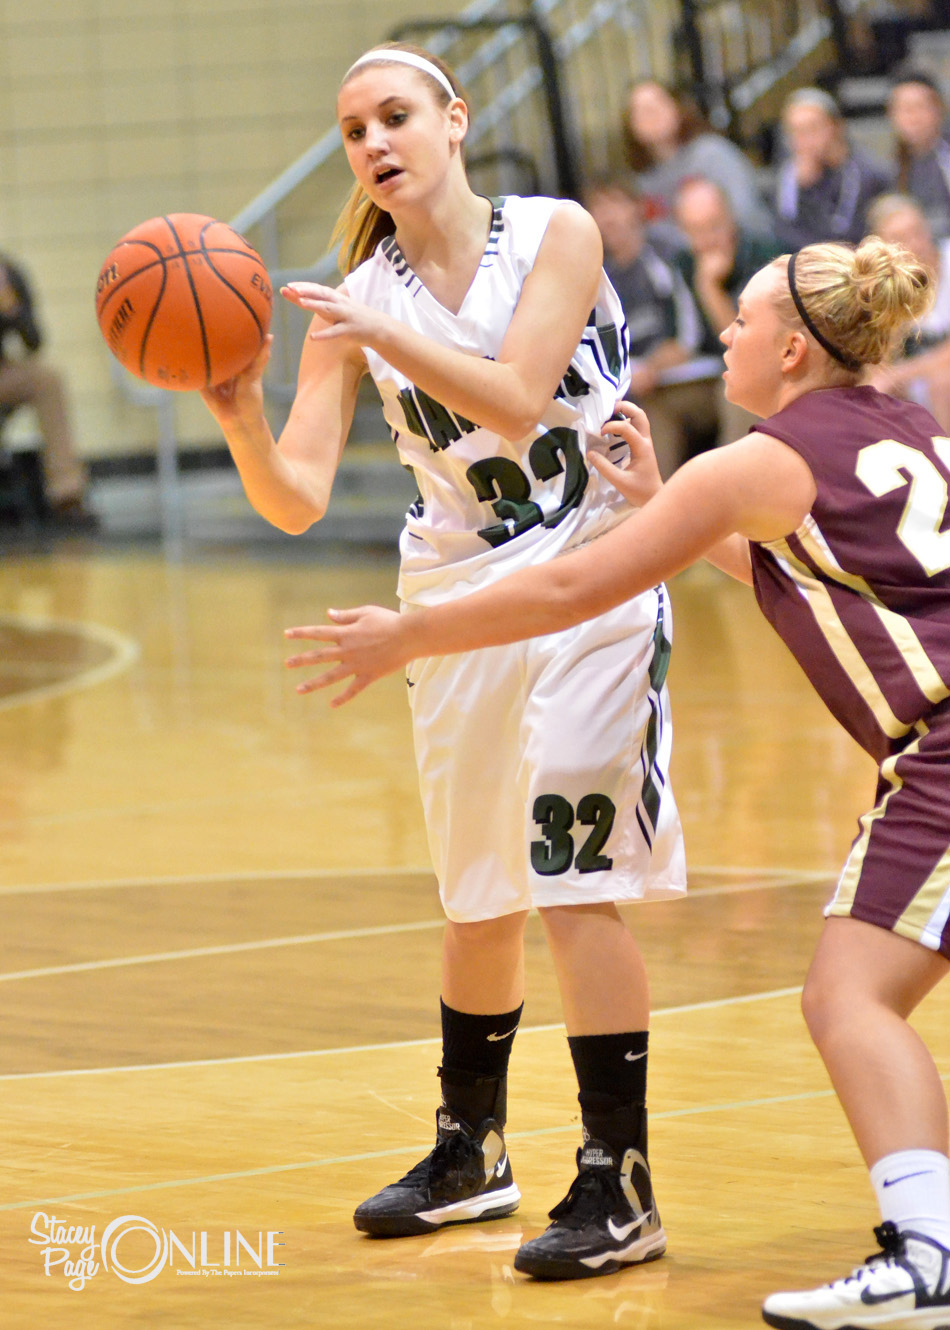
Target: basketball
x,y
184,302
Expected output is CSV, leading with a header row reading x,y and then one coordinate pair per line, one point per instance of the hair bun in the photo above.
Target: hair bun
x,y
863,299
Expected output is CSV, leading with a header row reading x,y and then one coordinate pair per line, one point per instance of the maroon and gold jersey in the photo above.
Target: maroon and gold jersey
x,y
860,593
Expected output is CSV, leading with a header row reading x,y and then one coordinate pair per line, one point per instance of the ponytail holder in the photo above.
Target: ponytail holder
x,y
842,357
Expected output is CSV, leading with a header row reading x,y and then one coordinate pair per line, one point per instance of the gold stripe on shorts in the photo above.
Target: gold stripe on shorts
x,y
927,912
846,890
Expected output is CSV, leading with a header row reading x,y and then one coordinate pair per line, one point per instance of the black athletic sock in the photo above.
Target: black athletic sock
x,y
612,1079
475,1053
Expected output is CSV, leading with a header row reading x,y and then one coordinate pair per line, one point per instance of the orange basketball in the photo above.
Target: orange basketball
x,y
184,302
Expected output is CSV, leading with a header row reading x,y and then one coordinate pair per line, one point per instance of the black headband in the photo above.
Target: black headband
x,y
842,357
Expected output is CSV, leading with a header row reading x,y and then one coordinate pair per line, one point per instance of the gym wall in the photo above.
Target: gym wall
x,y
112,111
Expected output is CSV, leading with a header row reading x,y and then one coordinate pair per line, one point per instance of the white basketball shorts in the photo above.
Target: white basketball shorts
x,y
543,767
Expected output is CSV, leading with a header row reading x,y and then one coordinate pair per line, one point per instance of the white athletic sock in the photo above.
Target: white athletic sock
x,y
913,1191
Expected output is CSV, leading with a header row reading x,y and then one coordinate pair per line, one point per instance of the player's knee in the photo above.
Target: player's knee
x,y
822,997
565,921
485,934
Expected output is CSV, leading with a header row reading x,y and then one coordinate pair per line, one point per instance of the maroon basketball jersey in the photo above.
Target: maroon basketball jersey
x,y
860,593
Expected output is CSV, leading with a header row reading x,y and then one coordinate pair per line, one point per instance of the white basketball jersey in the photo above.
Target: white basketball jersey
x,y
488,505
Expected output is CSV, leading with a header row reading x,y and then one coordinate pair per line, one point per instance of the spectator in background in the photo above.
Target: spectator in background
x,y
663,323
720,255
719,258
917,113
825,185
921,371
668,141
27,380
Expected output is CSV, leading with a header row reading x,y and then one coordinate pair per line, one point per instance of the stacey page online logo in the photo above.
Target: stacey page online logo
x,y
136,1251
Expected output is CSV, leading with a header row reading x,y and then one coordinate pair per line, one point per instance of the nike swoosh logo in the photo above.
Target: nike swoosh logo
x,y
497,1038
634,1057
875,1299
924,1173
500,1166
619,1232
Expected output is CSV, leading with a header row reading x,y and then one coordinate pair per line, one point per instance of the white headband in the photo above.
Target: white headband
x,y
404,58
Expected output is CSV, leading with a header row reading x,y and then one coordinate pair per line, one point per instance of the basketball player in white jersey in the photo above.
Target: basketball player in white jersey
x,y
499,350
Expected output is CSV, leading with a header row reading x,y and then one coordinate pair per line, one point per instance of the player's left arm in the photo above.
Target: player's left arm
x,y
756,488
509,394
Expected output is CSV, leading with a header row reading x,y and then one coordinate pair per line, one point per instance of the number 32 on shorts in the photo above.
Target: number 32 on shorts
x,y
556,817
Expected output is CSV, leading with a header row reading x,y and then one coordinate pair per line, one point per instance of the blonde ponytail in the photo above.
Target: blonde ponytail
x,y
359,228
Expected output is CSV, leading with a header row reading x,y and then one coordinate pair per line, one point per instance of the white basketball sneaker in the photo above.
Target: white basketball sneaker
x,y
905,1286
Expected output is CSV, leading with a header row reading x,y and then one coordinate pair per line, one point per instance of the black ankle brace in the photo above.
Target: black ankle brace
x,y
473,1097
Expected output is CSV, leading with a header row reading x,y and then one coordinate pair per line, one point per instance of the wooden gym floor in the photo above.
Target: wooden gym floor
x,y
219,957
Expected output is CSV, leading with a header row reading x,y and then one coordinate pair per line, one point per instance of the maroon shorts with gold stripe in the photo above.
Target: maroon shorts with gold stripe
x,y
898,872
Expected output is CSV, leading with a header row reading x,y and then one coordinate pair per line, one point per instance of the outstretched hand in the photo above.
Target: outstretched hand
x,y
640,479
365,644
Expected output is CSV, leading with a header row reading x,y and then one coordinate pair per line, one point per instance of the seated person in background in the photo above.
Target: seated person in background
x,y
662,319
668,141
921,371
29,381
720,256
663,323
917,113
825,185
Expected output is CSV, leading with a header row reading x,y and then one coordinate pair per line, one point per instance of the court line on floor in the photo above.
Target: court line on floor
x,y
776,875
336,935
225,949
70,1072
418,1148
212,879
126,651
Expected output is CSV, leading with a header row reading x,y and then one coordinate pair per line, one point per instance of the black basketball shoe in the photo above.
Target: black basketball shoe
x,y
607,1220
466,1177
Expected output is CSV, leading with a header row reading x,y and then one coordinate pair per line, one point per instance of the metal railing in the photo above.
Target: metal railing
x,y
740,54
550,78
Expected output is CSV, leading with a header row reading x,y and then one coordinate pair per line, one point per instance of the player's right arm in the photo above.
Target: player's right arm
x,y
289,480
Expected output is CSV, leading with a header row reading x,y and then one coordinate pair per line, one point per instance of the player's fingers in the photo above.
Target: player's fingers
x,y
326,680
634,416
259,363
604,465
328,333
324,656
615,475
355,686
252,372
631,411
639,440
347,616
318,632
300,292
